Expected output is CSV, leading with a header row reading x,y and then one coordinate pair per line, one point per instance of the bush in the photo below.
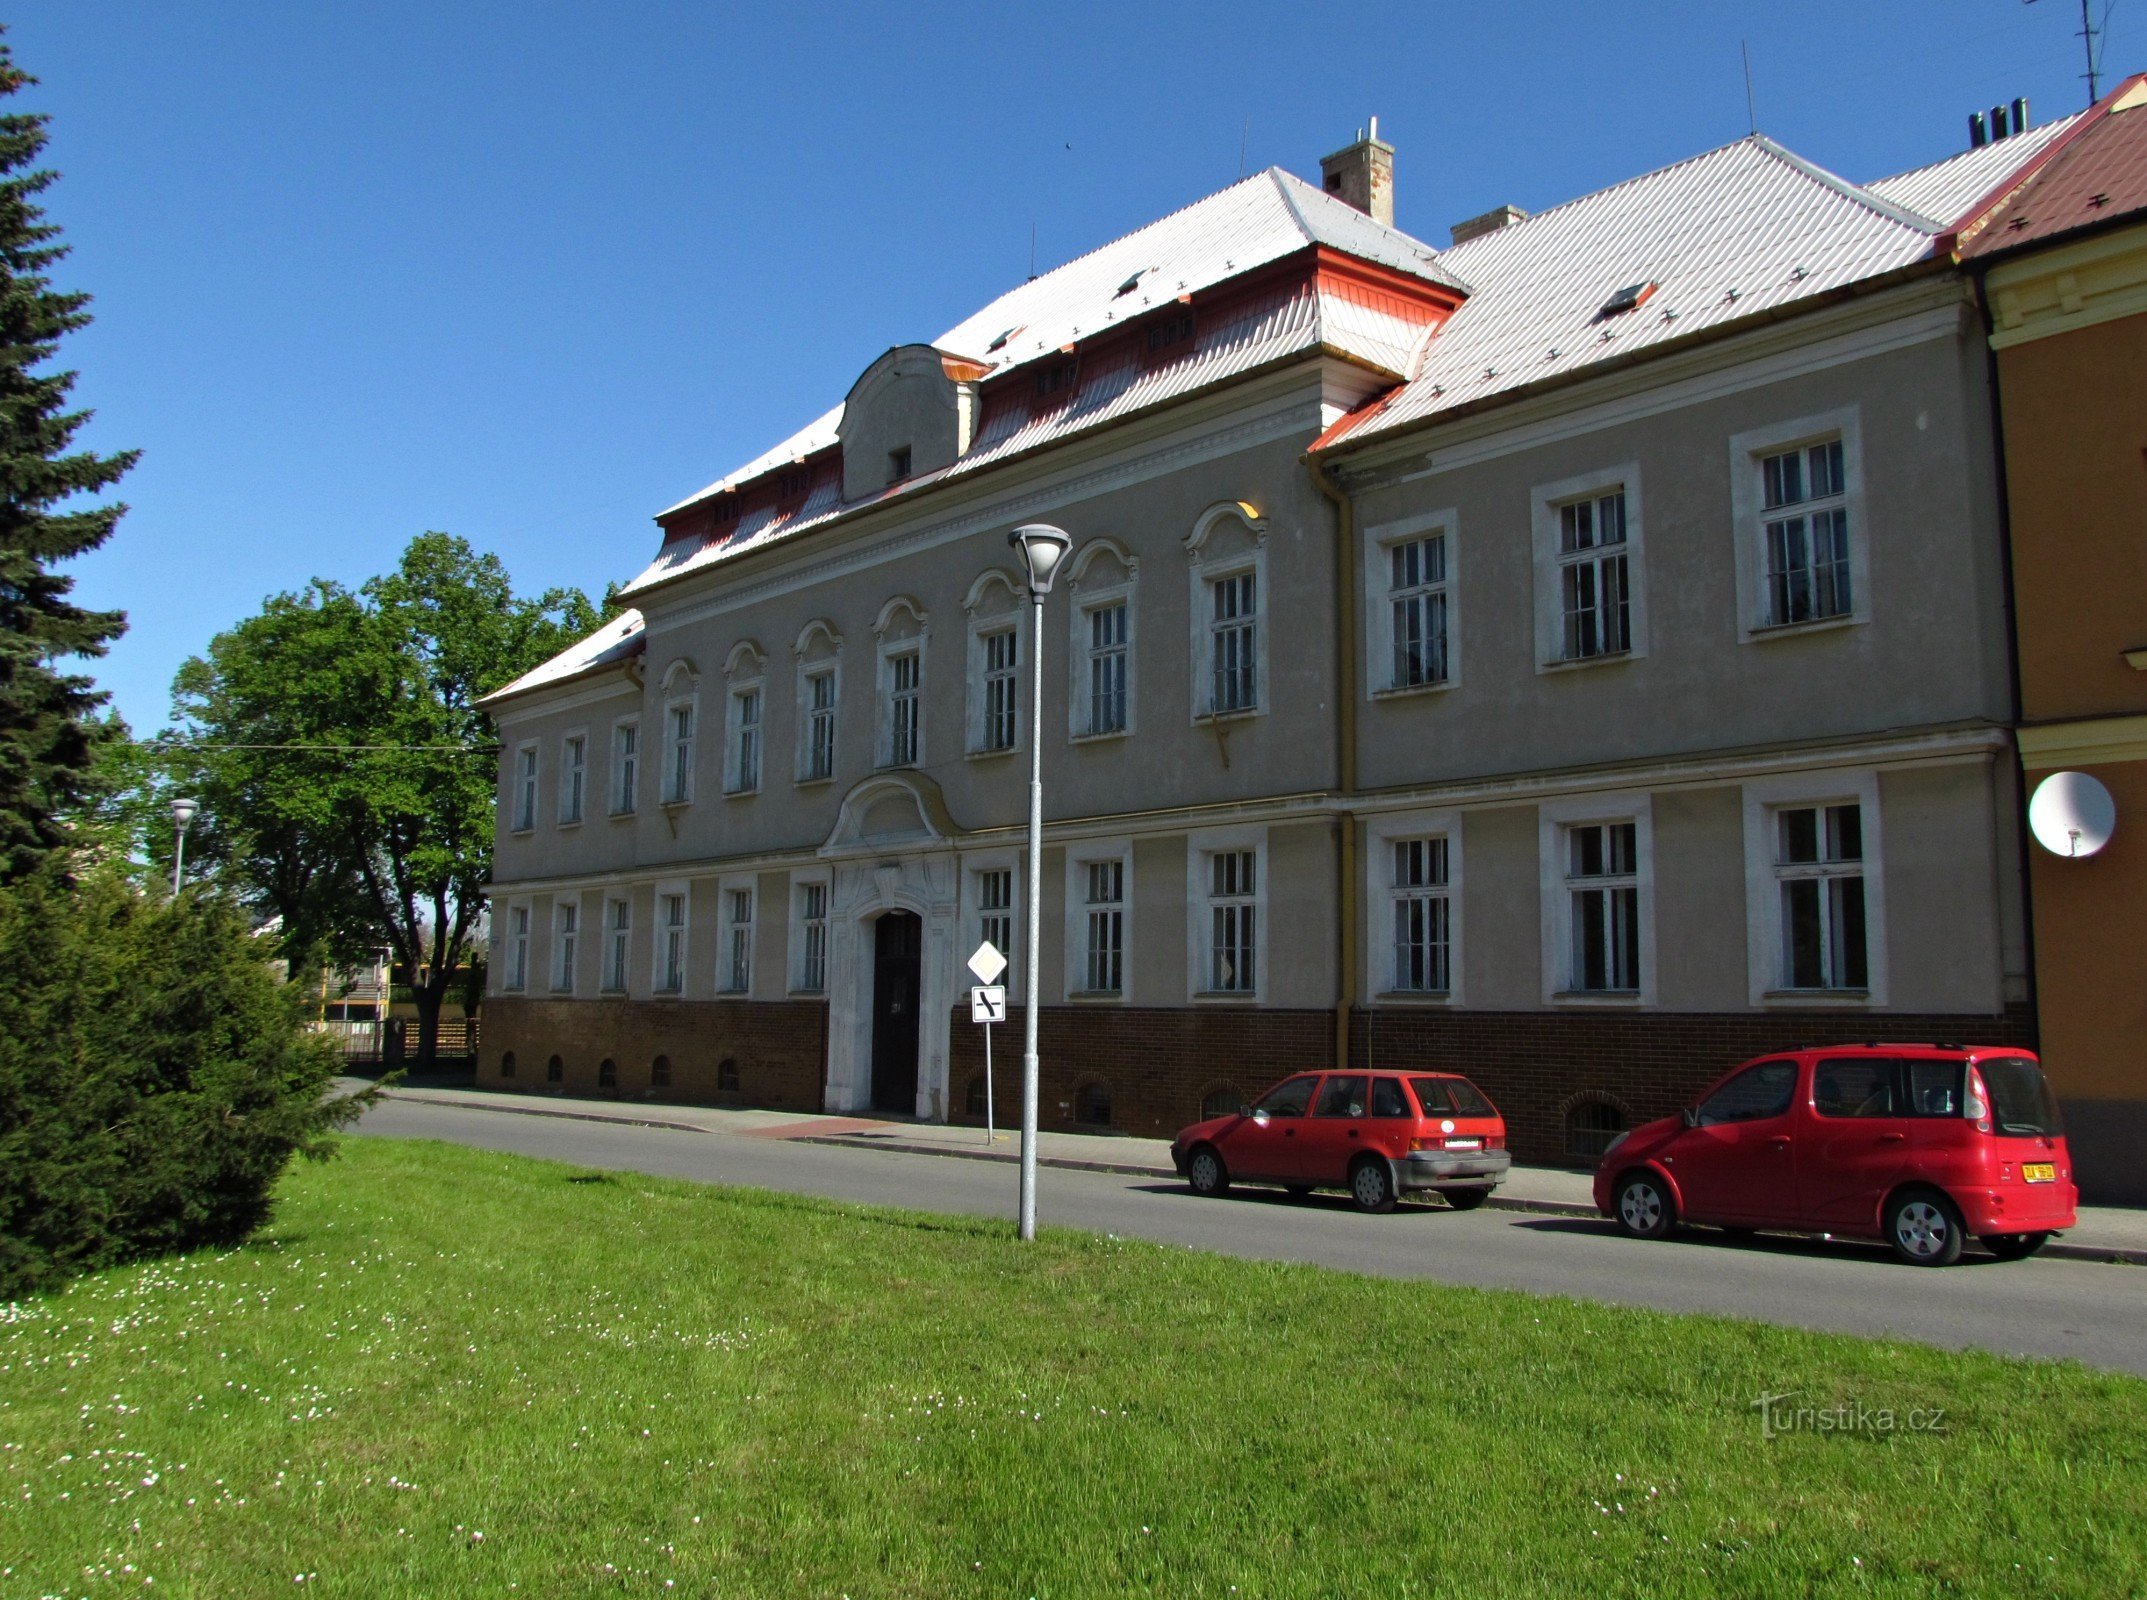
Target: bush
x,y
154,1078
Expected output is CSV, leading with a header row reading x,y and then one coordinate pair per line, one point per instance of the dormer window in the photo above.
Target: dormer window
x,y
726,510
1170,332
792,482
1055,379
1134,282
898,464
1630,298
1000,343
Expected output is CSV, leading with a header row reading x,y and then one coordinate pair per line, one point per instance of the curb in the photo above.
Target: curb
x,y
421,1098
849,1141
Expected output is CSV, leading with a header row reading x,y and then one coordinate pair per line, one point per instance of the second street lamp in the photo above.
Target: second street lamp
x,y
1041,546
182,814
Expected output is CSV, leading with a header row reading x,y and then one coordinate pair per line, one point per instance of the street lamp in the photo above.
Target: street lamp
x,y
1041,546
182,813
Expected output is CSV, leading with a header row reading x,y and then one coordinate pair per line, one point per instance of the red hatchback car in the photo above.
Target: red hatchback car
x,y
1919,1145
1376,1134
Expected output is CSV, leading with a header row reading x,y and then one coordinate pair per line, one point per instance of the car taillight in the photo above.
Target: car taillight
x,y
1978,1101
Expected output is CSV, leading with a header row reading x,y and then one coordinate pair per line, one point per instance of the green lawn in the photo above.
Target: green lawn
x,y
452,1373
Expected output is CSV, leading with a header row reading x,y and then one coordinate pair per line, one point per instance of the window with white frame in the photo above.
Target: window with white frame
x,y
819,697
671,945
905,708
1108,655
625,766
812,938
1100,583
525,788
1804,500
744,754
618,935
1819,865
1104,931
518,948
678,752
573,777
1417,600
1602,878
992,911
1594,577
1421,915
566,935
995,907
1233,911
738,940
1002,688
1234,643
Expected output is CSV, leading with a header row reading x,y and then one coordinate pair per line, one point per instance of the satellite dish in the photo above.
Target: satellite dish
x,y
2071,814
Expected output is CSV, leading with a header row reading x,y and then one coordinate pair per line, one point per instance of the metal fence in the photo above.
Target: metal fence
x,y
395,1039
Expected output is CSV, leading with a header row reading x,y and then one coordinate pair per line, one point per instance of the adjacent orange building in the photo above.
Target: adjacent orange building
x,y
2063,263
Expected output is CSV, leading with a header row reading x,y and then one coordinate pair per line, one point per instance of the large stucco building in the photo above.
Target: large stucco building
x,y
1577,656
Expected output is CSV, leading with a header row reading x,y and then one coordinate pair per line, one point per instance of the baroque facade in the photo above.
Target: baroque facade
x,y
1577,657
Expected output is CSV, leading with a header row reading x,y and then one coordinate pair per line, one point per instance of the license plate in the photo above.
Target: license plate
x,y
2039,1171
1464,1144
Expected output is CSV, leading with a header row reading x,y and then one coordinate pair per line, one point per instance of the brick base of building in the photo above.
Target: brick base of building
x,y
719,1052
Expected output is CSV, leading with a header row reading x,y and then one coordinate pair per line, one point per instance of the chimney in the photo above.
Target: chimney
x,y
1362,175
1490,222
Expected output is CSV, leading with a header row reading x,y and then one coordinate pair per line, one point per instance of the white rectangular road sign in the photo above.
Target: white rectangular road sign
x,y
987,963
987,1003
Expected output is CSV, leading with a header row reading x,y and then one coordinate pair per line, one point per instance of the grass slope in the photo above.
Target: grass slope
x,y
449,1372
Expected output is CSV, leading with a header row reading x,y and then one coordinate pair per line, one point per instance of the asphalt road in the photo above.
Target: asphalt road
x,y
2090,1311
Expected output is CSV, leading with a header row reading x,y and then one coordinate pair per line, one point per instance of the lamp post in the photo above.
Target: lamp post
x,y
182,814
1041,546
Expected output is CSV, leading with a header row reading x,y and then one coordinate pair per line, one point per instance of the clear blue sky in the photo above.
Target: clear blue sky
x,y
530,272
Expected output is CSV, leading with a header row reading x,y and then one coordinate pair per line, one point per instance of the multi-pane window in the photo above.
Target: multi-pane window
x,y
518,948
1421,913
1806,522
738,970
812,968
1107,668
1106,901
745,741
820,724
1233,643
525,788
1417,592
573,776
678,767
904,678
1233,885
1002,688
671,969
1602,879
618,927
1594,597
625,766
1819,861
995,902
569,930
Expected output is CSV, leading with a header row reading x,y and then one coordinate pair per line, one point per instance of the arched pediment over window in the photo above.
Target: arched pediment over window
x,y
995,590
891,810
902,618
1222,520
1103,562
680,676
817,640
744,661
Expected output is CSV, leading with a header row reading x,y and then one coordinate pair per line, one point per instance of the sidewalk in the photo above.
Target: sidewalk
x,y
2105,1233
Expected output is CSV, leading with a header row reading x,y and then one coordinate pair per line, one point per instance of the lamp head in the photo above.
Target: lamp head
x,y
1041,546
182,813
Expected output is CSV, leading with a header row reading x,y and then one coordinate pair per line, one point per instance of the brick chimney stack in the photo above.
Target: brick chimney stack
x,y
1362,175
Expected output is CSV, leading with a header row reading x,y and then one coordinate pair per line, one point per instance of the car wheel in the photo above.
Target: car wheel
x,y
1465,1199
1371,1185
1206,1173
1644,1209
1924,1228
2014,1246
1298,1191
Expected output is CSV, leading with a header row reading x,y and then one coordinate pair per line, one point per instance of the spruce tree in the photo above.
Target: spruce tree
x,y
45,737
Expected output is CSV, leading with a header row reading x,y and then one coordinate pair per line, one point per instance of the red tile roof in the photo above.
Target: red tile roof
x,y
2098,175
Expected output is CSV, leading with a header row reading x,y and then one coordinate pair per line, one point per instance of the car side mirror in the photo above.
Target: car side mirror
x,y
1244,1110
1690,1116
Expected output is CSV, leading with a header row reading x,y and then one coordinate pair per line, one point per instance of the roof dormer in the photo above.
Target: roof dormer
x,y
911,413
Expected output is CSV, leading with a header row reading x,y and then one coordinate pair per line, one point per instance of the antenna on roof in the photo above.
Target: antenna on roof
x,y
2088,34
1032,252
1244,133
1750,111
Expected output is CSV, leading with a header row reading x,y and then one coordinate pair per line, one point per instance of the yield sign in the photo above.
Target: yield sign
x,y
987,963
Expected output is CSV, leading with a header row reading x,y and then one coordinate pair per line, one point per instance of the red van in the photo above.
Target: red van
x,y
1919,1145
1376,1134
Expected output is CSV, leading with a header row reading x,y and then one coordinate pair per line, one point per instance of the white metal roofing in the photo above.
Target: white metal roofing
x,y
615,641
1945,189
1256,220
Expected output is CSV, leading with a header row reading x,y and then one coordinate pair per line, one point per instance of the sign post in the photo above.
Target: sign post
x,y
987,1005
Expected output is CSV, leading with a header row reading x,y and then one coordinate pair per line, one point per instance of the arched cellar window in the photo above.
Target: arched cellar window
x,y
726,1074
973,1103
1590,1128
607,1074
555,1070
1092,1105
1220,1101
506,1065
660,1073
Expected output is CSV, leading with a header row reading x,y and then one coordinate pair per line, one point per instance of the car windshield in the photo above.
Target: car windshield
x,y
2020,1097
1450,1097
1289,1099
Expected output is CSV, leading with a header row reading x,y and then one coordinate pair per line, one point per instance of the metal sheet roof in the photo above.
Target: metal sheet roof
x,y
617,640
1945,189
2096,179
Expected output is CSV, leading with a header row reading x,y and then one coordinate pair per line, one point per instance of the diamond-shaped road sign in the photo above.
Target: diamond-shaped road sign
x,y
988,1004
987,963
